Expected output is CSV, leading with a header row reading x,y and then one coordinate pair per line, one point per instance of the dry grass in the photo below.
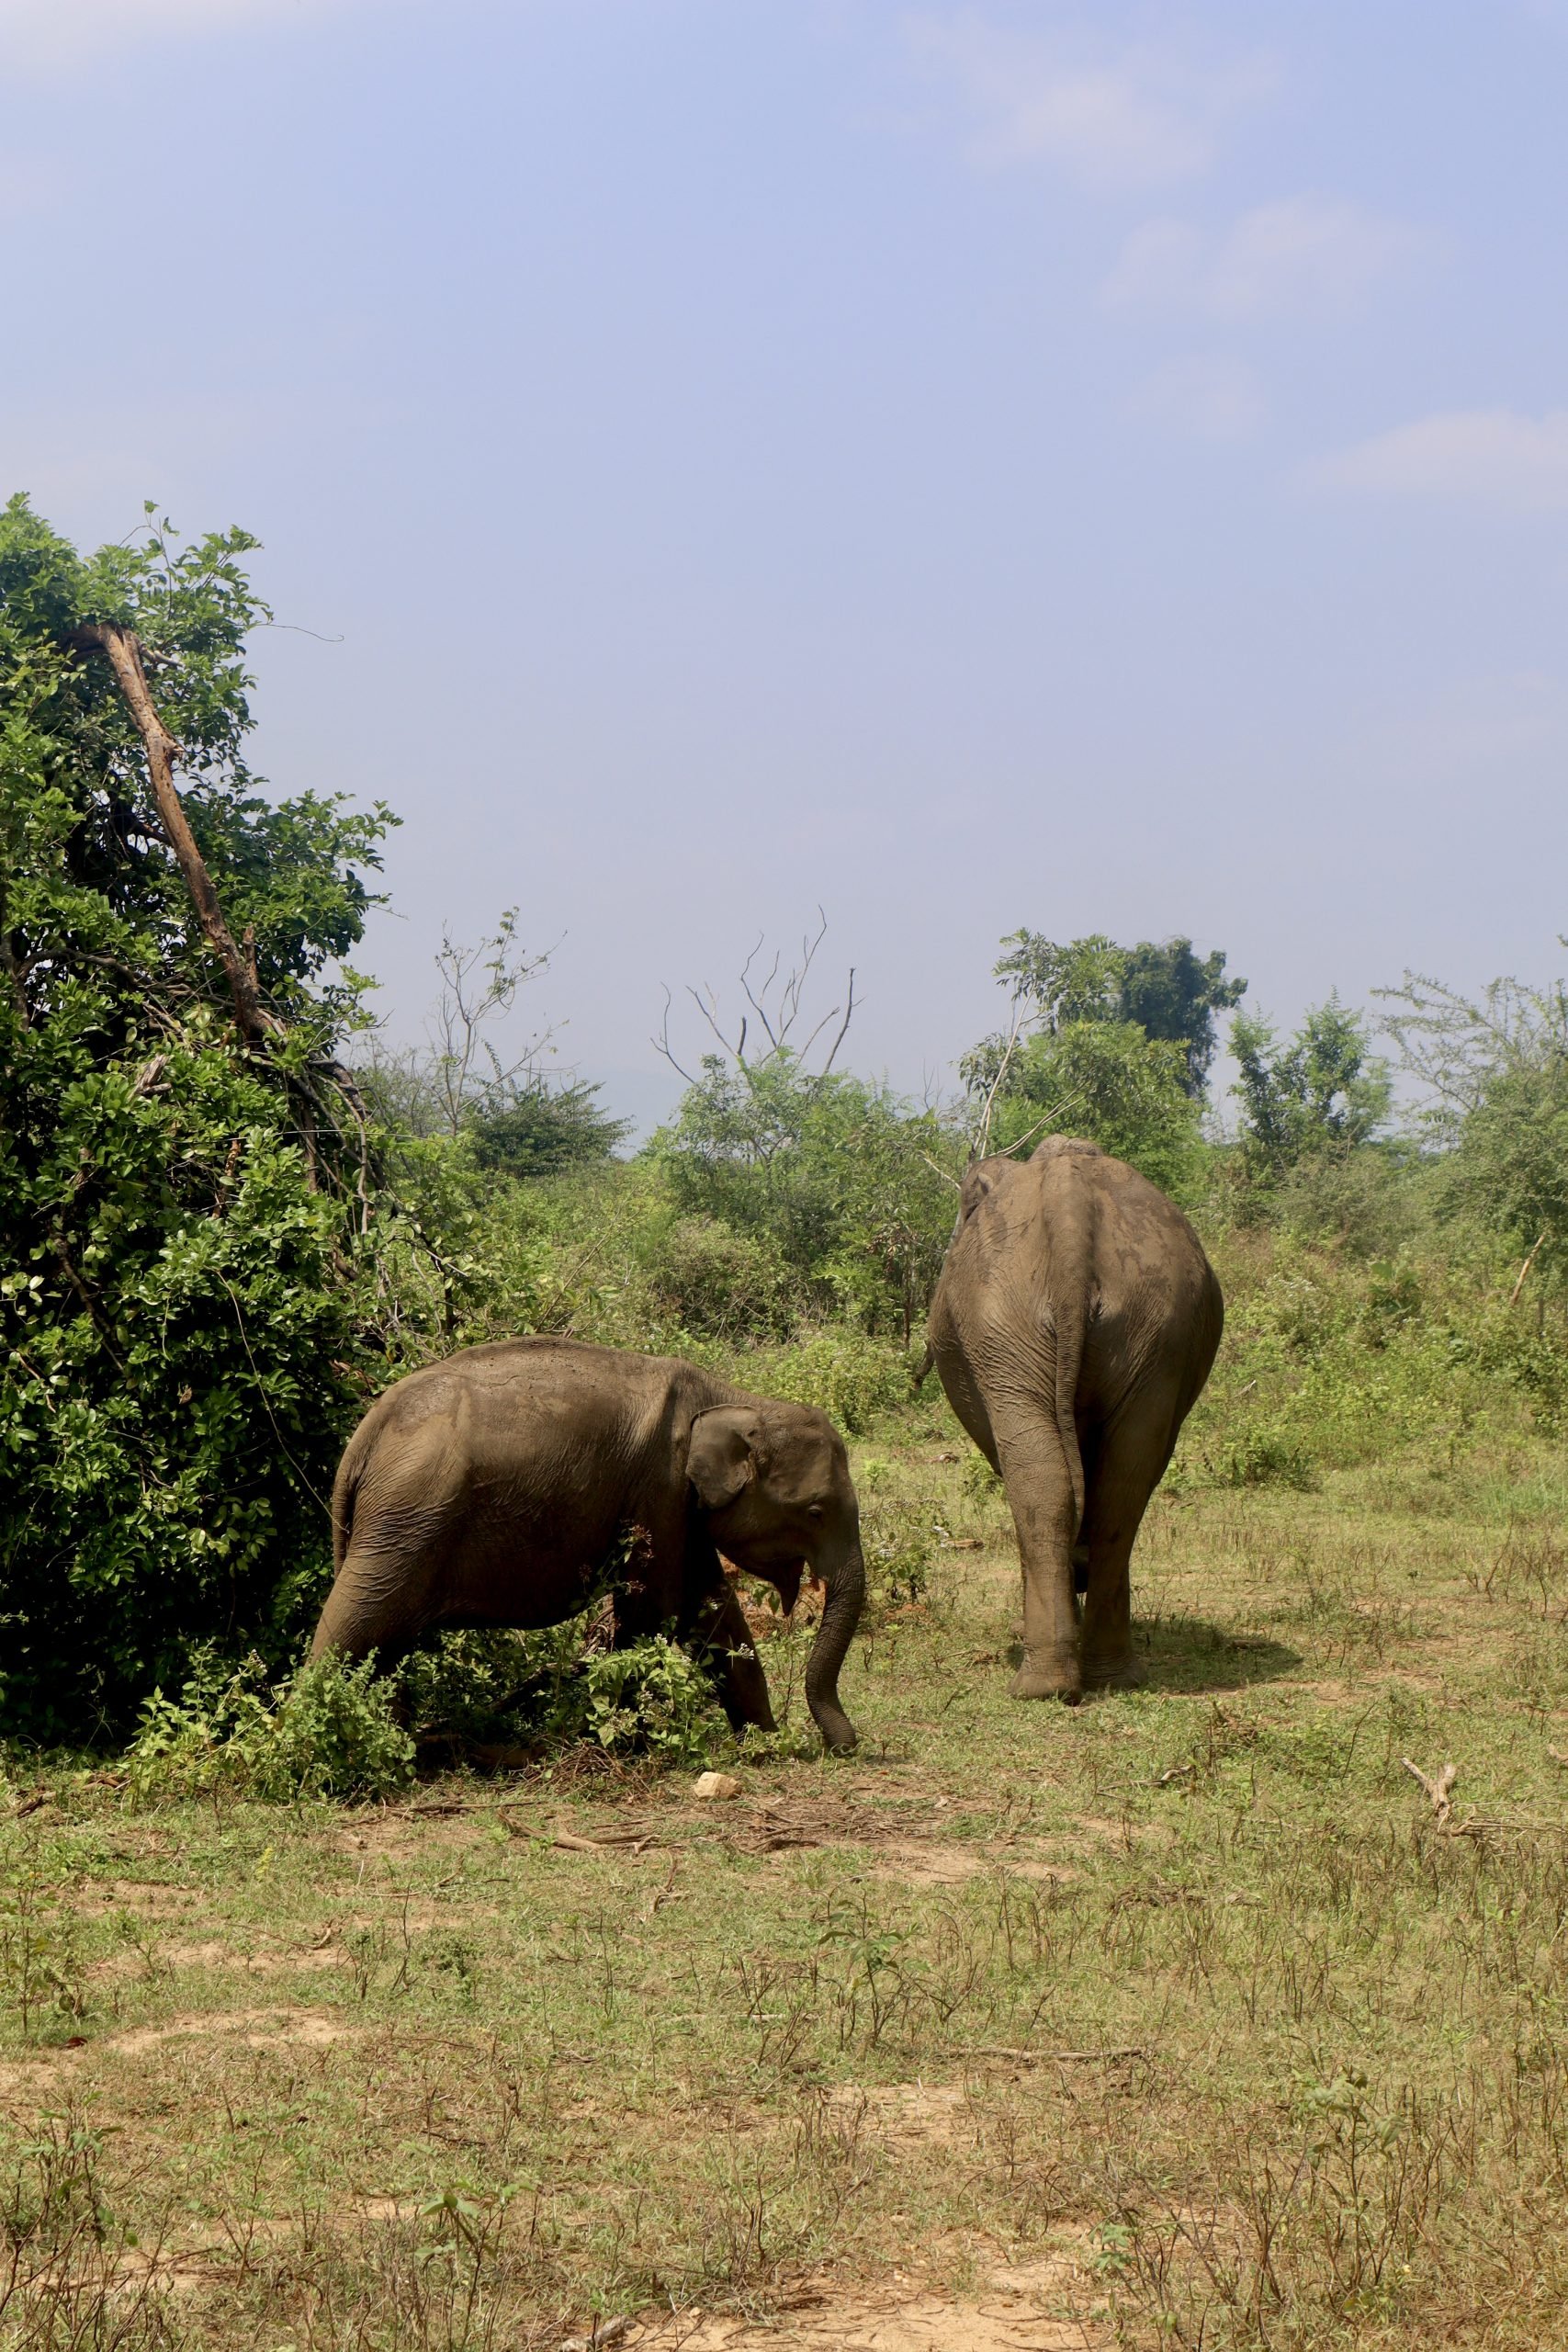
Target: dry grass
x,y
1180,2018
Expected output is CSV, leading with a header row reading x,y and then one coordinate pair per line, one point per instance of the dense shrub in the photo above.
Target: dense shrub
x,y
842,1182
563,1683
182,1339
705,1278
853,1379
328,1731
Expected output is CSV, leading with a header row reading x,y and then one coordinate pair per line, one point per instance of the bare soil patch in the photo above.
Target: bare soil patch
x,y
253,2029
1021,2308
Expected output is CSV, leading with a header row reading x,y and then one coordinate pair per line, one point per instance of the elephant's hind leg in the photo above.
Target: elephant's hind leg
x,y
378,1601
1034,1464
1131,1461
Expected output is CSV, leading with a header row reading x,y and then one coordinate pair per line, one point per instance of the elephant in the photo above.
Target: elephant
x,y
503,1486
1073,1326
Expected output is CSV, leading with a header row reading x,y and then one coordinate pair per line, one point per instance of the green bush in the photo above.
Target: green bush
x,y
327,1731
1107,1082
836,1175
898,1550
853,1379
499,1687
653,1697
717,1284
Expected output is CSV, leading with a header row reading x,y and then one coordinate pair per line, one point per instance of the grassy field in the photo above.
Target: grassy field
x,y
1184,2018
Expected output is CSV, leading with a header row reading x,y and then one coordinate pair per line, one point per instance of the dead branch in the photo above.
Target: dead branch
x,y
661,1043
759,1004
124,651
707,1008
777,1022
1440,1790
937,1170
1524,1269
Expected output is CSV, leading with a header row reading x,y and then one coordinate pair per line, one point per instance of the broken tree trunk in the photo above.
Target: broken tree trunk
x,y
124,651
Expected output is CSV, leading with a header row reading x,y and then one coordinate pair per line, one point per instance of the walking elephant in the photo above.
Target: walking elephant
x,y
1073,1328
497,1487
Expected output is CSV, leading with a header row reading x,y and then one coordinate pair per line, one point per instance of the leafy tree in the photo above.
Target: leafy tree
x,y
1107,1082
1495,1077
1077,980
184,1181
1173,994
1166,989
539,1130
1078,1057
1322,1092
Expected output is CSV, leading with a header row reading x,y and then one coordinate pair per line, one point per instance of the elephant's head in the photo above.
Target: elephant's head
x,y
774,1482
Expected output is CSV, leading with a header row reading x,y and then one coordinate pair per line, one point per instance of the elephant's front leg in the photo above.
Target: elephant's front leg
x,y
721,1638
1040,1493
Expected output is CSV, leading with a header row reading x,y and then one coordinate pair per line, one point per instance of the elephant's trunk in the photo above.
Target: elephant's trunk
x,y
840,1615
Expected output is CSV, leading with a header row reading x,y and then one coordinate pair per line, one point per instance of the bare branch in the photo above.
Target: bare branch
x,y
844,1029
661,1044
1438,1787
776,1007
937,1170
708,1008
758,1004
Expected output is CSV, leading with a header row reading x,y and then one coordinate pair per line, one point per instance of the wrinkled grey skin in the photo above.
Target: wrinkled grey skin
x,y
493,1488
1073,1328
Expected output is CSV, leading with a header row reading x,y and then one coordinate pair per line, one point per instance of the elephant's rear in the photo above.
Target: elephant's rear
x,y
1155,1305
1073,1283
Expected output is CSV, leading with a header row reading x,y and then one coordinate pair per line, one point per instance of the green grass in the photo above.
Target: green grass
x,y
1176,2019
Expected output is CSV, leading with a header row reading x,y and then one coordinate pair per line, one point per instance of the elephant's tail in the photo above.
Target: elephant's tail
x,y
1070,1318
345,1486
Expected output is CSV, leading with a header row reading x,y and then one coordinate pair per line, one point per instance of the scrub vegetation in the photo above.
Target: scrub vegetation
x,y
442,2012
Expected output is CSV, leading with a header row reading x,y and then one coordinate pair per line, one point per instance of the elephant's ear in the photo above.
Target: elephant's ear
x,y
723,1456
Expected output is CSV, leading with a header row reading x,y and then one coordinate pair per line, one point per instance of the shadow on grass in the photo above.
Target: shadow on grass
x,y
1188,1653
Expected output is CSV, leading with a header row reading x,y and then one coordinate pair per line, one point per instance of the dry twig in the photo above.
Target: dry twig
x,y
1440,1790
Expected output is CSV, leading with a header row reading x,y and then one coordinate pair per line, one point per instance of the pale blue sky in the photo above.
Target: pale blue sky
x,y
1098,467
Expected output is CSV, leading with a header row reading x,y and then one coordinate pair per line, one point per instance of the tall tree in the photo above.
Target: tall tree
x,y
1165,988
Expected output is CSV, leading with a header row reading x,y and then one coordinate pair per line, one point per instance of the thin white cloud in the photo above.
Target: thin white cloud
x,y
1493,458
1208,396
47,34
1113,122
1312,256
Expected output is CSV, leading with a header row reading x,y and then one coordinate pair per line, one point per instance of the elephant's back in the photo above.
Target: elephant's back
x,y
524,1395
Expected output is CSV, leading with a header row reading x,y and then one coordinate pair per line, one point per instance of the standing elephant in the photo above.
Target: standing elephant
x,y
1073,1328
494,1489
